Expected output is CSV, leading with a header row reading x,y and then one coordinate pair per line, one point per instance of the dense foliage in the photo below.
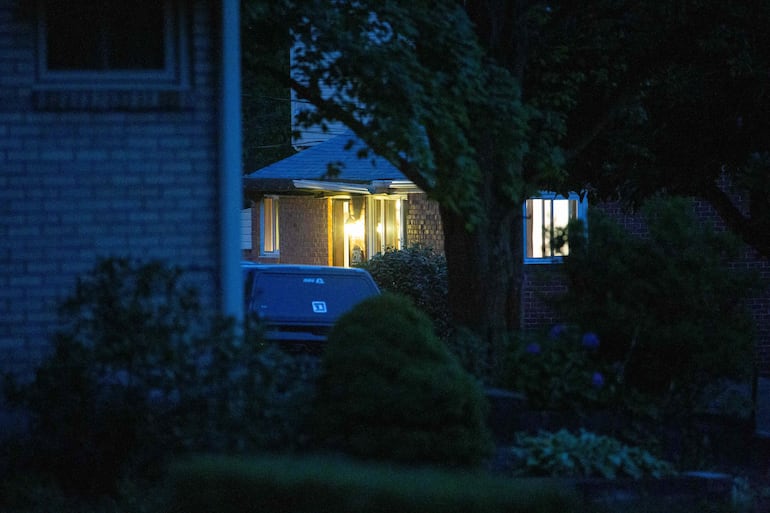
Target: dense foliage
x,y
582,454
419,273
265,105
140,372
389,389
665,305
482,103
560,371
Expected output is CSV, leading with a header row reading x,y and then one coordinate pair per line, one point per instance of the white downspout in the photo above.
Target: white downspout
x,y
230,162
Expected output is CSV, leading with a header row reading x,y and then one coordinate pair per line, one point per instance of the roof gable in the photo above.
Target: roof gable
x,y
313,164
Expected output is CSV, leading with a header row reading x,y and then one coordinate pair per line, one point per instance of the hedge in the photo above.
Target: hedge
x,y
287,484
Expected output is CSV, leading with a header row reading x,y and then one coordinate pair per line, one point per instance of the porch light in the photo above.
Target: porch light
x,y
354,228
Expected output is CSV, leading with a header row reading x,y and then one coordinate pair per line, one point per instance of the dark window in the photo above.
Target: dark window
x,y
93,35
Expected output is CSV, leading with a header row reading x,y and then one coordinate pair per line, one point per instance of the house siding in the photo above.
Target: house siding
x,y
423,223
77,185
304,226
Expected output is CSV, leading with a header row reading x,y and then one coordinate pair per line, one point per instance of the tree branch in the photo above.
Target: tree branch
x,y
333,111
746,227
658,57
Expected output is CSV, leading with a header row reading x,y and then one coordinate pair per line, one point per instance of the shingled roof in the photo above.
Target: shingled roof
x,y
312,166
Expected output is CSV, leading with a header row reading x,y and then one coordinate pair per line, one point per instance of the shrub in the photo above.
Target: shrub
x,y
389,389
560,371
665,305
472,352
139,372
240,485
419,273
565,454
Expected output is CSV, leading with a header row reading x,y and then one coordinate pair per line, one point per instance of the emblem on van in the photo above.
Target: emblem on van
x,y
319,306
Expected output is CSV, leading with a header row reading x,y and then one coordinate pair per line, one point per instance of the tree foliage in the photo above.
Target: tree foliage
x,y
265,105
664,305
687,111
483,103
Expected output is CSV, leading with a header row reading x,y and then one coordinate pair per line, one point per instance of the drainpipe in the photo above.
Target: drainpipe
x,y
230,163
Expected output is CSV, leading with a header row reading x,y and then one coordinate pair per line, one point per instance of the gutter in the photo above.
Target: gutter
x,y
230,163
321,185
374,187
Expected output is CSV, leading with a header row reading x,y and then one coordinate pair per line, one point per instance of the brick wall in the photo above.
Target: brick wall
x,y
423,222
79,184
303,224
304,228
541,284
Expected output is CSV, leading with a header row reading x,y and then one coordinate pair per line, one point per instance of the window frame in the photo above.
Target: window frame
x,y
340,236
247,242
173,76
582,210
274,238
373,212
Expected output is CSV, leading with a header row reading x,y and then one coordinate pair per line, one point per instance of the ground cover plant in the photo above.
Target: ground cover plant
x,y
582,454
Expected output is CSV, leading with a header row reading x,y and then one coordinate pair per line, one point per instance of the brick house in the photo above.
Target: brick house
x,y
317,214
119,136
302,214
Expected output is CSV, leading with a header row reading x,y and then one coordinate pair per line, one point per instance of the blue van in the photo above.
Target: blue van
x,y
299,304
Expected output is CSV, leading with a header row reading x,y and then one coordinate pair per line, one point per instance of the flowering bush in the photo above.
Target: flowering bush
x,y
667,304
560,371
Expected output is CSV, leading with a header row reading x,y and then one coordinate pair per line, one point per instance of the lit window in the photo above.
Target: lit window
x,y
545,219
365,226
268,213
387,228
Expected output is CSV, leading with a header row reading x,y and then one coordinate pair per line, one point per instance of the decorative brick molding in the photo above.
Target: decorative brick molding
x,y
99,100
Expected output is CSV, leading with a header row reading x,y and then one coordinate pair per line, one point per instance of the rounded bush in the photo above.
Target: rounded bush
x,y
419,273
390,390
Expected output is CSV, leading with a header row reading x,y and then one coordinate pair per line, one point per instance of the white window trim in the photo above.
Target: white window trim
x,y
246,221
371,224
174,75
275,228
581,215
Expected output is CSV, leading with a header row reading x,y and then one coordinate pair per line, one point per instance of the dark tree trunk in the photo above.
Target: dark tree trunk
x,y
484,268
